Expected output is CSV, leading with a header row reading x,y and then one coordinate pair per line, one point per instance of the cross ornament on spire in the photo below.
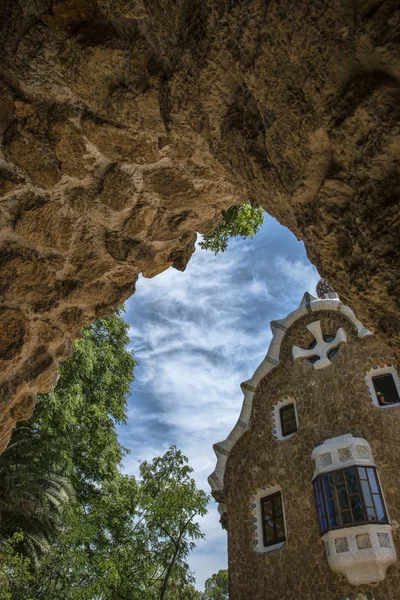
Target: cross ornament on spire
x,y
322,348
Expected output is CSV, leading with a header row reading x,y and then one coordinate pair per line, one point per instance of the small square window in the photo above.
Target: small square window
x,y
385,389
288,419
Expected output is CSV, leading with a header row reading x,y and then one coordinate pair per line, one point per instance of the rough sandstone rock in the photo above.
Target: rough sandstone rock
x,y
128,125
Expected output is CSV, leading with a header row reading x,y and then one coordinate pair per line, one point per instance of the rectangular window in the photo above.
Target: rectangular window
x,y
288,420
272,519
385,389
348,497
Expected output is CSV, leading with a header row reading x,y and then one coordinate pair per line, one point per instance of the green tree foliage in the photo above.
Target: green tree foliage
x,y
130,541
99,554
15,569
216,587
76,421
171,501
70,445
181,586
32,497
243,220
123,538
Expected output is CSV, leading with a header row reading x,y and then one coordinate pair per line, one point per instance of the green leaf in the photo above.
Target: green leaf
x,y
244,220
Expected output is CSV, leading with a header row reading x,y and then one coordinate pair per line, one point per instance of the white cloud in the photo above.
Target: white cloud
x,y
196,336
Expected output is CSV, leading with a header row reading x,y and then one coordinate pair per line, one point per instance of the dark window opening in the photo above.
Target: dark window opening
x,y
288,420
385,389
313,359
272,519
331,354
349,497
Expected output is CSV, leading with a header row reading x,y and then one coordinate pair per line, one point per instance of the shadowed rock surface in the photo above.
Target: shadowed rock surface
x,y
129,125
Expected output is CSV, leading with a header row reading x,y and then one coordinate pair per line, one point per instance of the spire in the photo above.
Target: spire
x,y
325,290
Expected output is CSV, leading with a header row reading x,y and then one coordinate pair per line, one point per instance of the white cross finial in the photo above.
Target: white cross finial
x,y
321,348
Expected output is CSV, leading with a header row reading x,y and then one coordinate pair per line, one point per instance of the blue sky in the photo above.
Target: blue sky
x,y
197,335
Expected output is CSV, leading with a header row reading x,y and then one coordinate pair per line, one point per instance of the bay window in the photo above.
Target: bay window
x,y
349,497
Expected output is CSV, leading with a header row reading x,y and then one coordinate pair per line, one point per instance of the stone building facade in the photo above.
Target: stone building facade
x,y
308,480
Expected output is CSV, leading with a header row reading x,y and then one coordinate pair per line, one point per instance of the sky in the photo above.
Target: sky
x,y
197,335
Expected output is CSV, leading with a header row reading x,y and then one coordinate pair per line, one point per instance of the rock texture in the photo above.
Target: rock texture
x,y
128,125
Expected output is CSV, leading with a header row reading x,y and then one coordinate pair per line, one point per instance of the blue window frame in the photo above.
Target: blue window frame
x,y
349,497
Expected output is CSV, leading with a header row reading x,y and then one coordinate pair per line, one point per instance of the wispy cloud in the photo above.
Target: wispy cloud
x,y
196,336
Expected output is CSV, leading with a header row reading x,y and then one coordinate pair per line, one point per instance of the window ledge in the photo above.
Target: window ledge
x,y
274,548
362,554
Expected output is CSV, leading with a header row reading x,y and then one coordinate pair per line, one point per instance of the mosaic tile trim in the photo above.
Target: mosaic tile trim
x,y
341,544
384,540
271,361
248,387
325,459
221,450
308,298
363,541
363,452
215,478
278,325
345,454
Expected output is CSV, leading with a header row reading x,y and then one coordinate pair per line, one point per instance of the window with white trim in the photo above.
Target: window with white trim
x,y
273,522
385,389
285,420
384,386
268,518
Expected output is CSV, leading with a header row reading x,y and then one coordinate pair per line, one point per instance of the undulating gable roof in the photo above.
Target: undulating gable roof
x,y
308,304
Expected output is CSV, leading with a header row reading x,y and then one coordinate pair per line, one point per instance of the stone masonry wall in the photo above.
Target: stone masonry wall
x,y
128,125
330,402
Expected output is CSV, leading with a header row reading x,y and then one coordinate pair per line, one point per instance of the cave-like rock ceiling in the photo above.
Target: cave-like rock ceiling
x,y
128,125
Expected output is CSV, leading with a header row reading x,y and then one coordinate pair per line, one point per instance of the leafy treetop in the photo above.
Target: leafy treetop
x,y
243,220
216,587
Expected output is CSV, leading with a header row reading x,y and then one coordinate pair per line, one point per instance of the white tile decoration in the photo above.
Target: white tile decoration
x,y
341,544
384,540
345,454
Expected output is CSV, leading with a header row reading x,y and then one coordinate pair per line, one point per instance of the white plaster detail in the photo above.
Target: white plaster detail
x,y
308,305
376,370
362,553
325,459
344,451
322,347
255,508
276,418
363,565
